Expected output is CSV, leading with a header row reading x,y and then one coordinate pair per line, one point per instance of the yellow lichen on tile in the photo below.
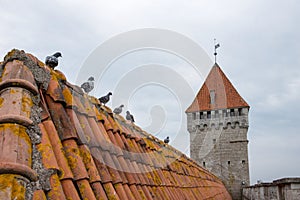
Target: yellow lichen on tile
x,y
11,187
20,132
82,189
57,75
93,100
56,190
86,157
17,130
98,115
142,194
156,178
12,91
40,63
110,195
88,138
10,54
1,101
150,143
82,125
72,160
68,97
39,195
26,105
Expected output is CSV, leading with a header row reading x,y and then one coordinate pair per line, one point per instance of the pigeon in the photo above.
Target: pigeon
x,y
129,116
167,140
52,61
105,98
89,85
118,110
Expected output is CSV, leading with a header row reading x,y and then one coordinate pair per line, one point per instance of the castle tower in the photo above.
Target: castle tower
x,y
218,124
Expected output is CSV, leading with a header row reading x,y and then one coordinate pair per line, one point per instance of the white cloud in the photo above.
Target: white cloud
x,y
274,156
259,53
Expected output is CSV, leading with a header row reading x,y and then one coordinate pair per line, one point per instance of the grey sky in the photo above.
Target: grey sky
x,y
260,54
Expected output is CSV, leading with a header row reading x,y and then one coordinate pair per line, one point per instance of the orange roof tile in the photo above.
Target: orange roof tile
x,y
58,143
226,96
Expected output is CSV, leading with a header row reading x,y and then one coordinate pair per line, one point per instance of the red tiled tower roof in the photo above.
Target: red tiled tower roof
x,y
56,142
226,96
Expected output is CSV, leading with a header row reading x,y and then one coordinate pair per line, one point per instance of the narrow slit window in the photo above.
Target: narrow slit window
x,y
201,115
228,162
203,164
224,113
208,114
240,111
231,112
216,113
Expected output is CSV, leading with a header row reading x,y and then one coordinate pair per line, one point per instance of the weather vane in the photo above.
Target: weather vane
x,y
217,45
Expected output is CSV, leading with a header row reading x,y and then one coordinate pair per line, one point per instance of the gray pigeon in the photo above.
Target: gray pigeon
x,y
129,116
105,98
89,85
52,61
118,110
167,140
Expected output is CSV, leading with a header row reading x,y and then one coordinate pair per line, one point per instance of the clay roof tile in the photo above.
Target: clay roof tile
x,y
18,74
39,195
85,189
89,164
65,171
99,191
69,189
111,191
225,95
86,152
47,153
74,159
56,191
61,119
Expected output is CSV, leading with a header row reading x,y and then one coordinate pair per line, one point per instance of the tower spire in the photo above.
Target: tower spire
x,y
217,45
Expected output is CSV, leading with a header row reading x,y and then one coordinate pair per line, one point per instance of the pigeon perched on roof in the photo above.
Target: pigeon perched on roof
x,y
52,61
89,85
167,140
129,116
118,110
105,98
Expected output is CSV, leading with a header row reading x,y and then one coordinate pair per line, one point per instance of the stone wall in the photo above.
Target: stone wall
x,y
282,189
219,143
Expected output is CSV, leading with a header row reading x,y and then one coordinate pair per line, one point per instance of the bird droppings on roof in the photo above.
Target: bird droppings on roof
x,y
56,142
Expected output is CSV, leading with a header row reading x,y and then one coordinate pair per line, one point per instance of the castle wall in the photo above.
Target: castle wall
x,y
283,189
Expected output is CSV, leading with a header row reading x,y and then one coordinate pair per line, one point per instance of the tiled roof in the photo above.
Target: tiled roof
x,y
58,143
226,96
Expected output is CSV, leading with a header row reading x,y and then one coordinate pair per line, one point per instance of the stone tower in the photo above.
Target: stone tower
x,y
218,124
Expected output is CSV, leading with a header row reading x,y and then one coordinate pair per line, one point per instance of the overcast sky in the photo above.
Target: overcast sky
x,y
259,53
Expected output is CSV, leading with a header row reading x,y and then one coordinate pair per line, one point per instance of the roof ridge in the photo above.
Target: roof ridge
x,y
20,134
80,149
